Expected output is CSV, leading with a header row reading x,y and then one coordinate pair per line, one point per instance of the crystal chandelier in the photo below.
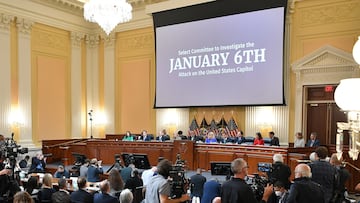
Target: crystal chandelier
x,y
347,97
107,13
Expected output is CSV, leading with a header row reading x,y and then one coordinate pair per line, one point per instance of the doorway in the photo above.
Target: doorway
x,y
322,113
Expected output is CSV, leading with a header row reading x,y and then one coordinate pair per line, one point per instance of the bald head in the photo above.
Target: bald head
x,y
302,170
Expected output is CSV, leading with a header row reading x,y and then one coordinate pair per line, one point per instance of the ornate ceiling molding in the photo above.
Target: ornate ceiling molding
x,y
76,6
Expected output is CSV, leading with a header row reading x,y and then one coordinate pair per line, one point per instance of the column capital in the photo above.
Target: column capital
x,y
92,40
5,20
109,40
24,25
76,38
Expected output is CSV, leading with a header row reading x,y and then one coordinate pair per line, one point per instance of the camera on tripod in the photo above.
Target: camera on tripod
x,y
11,149
178,181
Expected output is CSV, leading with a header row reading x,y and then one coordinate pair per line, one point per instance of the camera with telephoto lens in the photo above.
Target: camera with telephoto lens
x,y
10,150
257,184
178,182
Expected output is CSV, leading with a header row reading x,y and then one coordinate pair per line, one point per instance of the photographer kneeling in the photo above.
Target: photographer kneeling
x,y
236,190
158,189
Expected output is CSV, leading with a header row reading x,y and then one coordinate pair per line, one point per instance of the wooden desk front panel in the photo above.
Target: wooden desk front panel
x,y
207,153
105,150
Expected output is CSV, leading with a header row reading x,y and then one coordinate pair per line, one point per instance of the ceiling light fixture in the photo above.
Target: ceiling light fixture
x,y
107,13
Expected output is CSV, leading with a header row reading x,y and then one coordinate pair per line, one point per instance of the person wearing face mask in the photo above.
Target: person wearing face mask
x,y
280,192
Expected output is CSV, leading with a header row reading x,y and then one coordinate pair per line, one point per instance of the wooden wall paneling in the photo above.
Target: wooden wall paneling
x,y
202,160
185,148
219,157
254,159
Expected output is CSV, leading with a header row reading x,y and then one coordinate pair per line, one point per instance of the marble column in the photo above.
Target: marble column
x,y
24,27
5,74
78,120
109,86
92,81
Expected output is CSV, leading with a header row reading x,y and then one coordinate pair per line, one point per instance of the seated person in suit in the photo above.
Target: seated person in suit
x,y
180,136
274,140
144,136
313,142
194,137
24,163
225,138
45,193
104,196
210,138
81,195
61,196
240,137
94,170
61,172
163,136
32,187
258,139
128,137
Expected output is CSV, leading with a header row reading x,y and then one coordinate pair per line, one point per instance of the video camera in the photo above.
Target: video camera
x,y
178,181
265,167
11,149
257,184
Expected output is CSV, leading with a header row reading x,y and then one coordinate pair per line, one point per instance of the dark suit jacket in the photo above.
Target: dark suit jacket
x,y
275,141
163,138
197,182
81,196
316,143
37,165
280,172
44,194
147,138
240,140
305,190
60,197
104,198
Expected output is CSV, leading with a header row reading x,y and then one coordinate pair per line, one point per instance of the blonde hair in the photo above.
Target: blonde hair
x,y
47,180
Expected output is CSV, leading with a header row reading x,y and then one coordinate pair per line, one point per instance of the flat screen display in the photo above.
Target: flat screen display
x,y
234,58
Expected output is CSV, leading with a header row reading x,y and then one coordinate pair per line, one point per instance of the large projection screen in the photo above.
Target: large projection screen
x,y
234,59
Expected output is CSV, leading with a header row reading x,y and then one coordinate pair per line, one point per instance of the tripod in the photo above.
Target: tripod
x,y
117,165
91,119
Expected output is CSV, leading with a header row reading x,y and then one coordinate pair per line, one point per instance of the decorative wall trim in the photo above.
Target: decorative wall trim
x,y
329,14
5,20
109,40
24,25
92,41
76,38
327,65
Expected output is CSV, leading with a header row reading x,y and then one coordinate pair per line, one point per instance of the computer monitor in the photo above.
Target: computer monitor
x,y
221,168
140,161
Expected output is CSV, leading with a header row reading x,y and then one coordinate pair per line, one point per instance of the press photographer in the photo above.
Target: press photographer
x,y
158,190
9,150
38,164
236,190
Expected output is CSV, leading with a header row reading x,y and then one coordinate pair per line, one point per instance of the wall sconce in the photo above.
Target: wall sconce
x,y
347,97
16,118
